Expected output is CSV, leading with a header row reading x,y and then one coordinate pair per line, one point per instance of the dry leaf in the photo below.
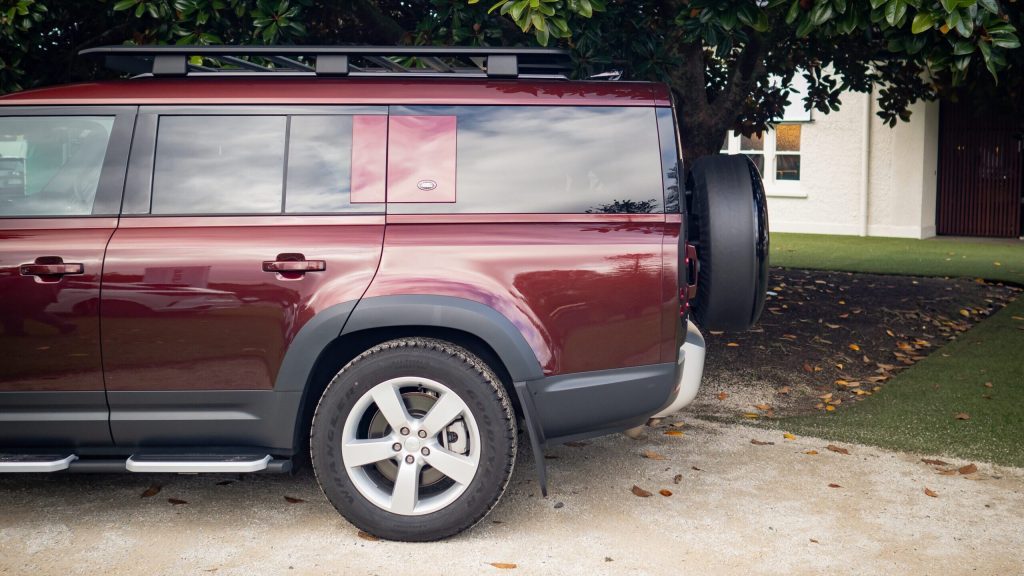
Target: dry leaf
x,y
855,347
293,500
950,472
679,424
969,469
815,541
784,390
504,565
575,444
789,436
723,395
833,485
965,313
934,462
674,433
638,491
367,536
151,491
665,492
963,416
808,367
763,407
225,482
834,448
830,408
761,443
176,502
652,455
677,479
811,452
987,384
732,345
929,492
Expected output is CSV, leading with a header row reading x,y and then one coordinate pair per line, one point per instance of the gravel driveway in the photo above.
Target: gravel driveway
x,y
738,508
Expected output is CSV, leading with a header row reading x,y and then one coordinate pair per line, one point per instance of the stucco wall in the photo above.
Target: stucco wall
x,y
901,182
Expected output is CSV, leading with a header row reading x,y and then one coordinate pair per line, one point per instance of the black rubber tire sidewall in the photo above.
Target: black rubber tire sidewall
x,y
461,372
729,227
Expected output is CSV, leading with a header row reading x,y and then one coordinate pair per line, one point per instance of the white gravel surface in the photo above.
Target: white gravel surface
x,y
749,509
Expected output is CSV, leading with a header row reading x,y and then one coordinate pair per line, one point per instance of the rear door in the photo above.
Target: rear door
x,y
240,224
61,176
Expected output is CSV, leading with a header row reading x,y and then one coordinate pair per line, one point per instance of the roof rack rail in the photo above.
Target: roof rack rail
x,y
419,61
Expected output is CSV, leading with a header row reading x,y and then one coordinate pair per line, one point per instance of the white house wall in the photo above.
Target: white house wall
x,y
901,182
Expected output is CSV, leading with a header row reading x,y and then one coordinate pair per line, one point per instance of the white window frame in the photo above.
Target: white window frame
x,y
773,187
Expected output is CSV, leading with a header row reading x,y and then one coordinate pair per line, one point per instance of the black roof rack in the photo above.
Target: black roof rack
x,y
417,61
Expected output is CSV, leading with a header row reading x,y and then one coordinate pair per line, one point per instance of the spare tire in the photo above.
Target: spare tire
x,y
728,225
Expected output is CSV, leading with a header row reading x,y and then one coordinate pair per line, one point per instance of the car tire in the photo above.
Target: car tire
x,y
385,476
729,227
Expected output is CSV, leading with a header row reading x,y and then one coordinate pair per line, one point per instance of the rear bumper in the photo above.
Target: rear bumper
x,y
575,406
689,372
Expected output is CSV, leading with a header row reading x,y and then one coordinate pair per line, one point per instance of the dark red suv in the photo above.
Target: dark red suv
x,y
384,258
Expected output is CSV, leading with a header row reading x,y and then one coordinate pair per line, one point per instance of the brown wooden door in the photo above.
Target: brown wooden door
x,y
980,173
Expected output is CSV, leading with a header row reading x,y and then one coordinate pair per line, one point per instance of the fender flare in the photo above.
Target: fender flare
x,y
451,312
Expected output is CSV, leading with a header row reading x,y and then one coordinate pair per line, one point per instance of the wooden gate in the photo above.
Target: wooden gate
x,y
980,173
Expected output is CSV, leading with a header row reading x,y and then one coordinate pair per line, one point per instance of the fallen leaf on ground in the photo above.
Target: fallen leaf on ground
x,y
785,390
176,502
834,448
674,433
750,416
855,347
950,472
151,491
723,395
931,462
789,436
763,407
833,485
830,408
504,565
987,384
965,313
969,469
811,452
695,468
367,536
761,443
575,444
652,455
929,492
815,541
638,491
225,482
962,416
677,479
665,492
732,345
293,500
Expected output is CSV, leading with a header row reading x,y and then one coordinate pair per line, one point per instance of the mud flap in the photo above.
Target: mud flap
x,y
536,434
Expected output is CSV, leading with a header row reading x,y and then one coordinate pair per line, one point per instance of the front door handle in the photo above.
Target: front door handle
x,y
51,266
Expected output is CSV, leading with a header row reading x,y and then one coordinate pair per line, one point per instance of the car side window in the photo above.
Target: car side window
x,y
51,165
550,159
254,164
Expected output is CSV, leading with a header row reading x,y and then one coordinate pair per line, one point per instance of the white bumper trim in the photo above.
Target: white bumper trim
x,y
690,370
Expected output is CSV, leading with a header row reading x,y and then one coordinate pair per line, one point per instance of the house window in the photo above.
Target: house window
x,y
776,153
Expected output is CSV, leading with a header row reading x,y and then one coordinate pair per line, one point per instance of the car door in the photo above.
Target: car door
x,y
61,177
240,225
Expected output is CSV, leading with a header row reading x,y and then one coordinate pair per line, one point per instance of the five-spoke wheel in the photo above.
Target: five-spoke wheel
x,y
414,440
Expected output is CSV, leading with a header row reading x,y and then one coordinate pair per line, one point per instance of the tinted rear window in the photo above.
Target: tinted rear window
x,y
557,159
51,165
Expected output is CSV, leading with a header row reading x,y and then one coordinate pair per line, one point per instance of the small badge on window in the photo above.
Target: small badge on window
x,y
426,185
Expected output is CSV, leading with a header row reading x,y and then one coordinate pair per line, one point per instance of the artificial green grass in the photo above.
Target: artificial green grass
x,y
992,259
916,411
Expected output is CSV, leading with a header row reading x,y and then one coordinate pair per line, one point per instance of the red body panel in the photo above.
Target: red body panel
x,y
188,306
51,329
250,90
421,154
584,290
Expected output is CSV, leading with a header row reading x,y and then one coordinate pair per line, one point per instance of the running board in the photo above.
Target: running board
x,y
197,463
35,462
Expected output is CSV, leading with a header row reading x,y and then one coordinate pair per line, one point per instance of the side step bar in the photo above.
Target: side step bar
x,y
35,462
197,463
